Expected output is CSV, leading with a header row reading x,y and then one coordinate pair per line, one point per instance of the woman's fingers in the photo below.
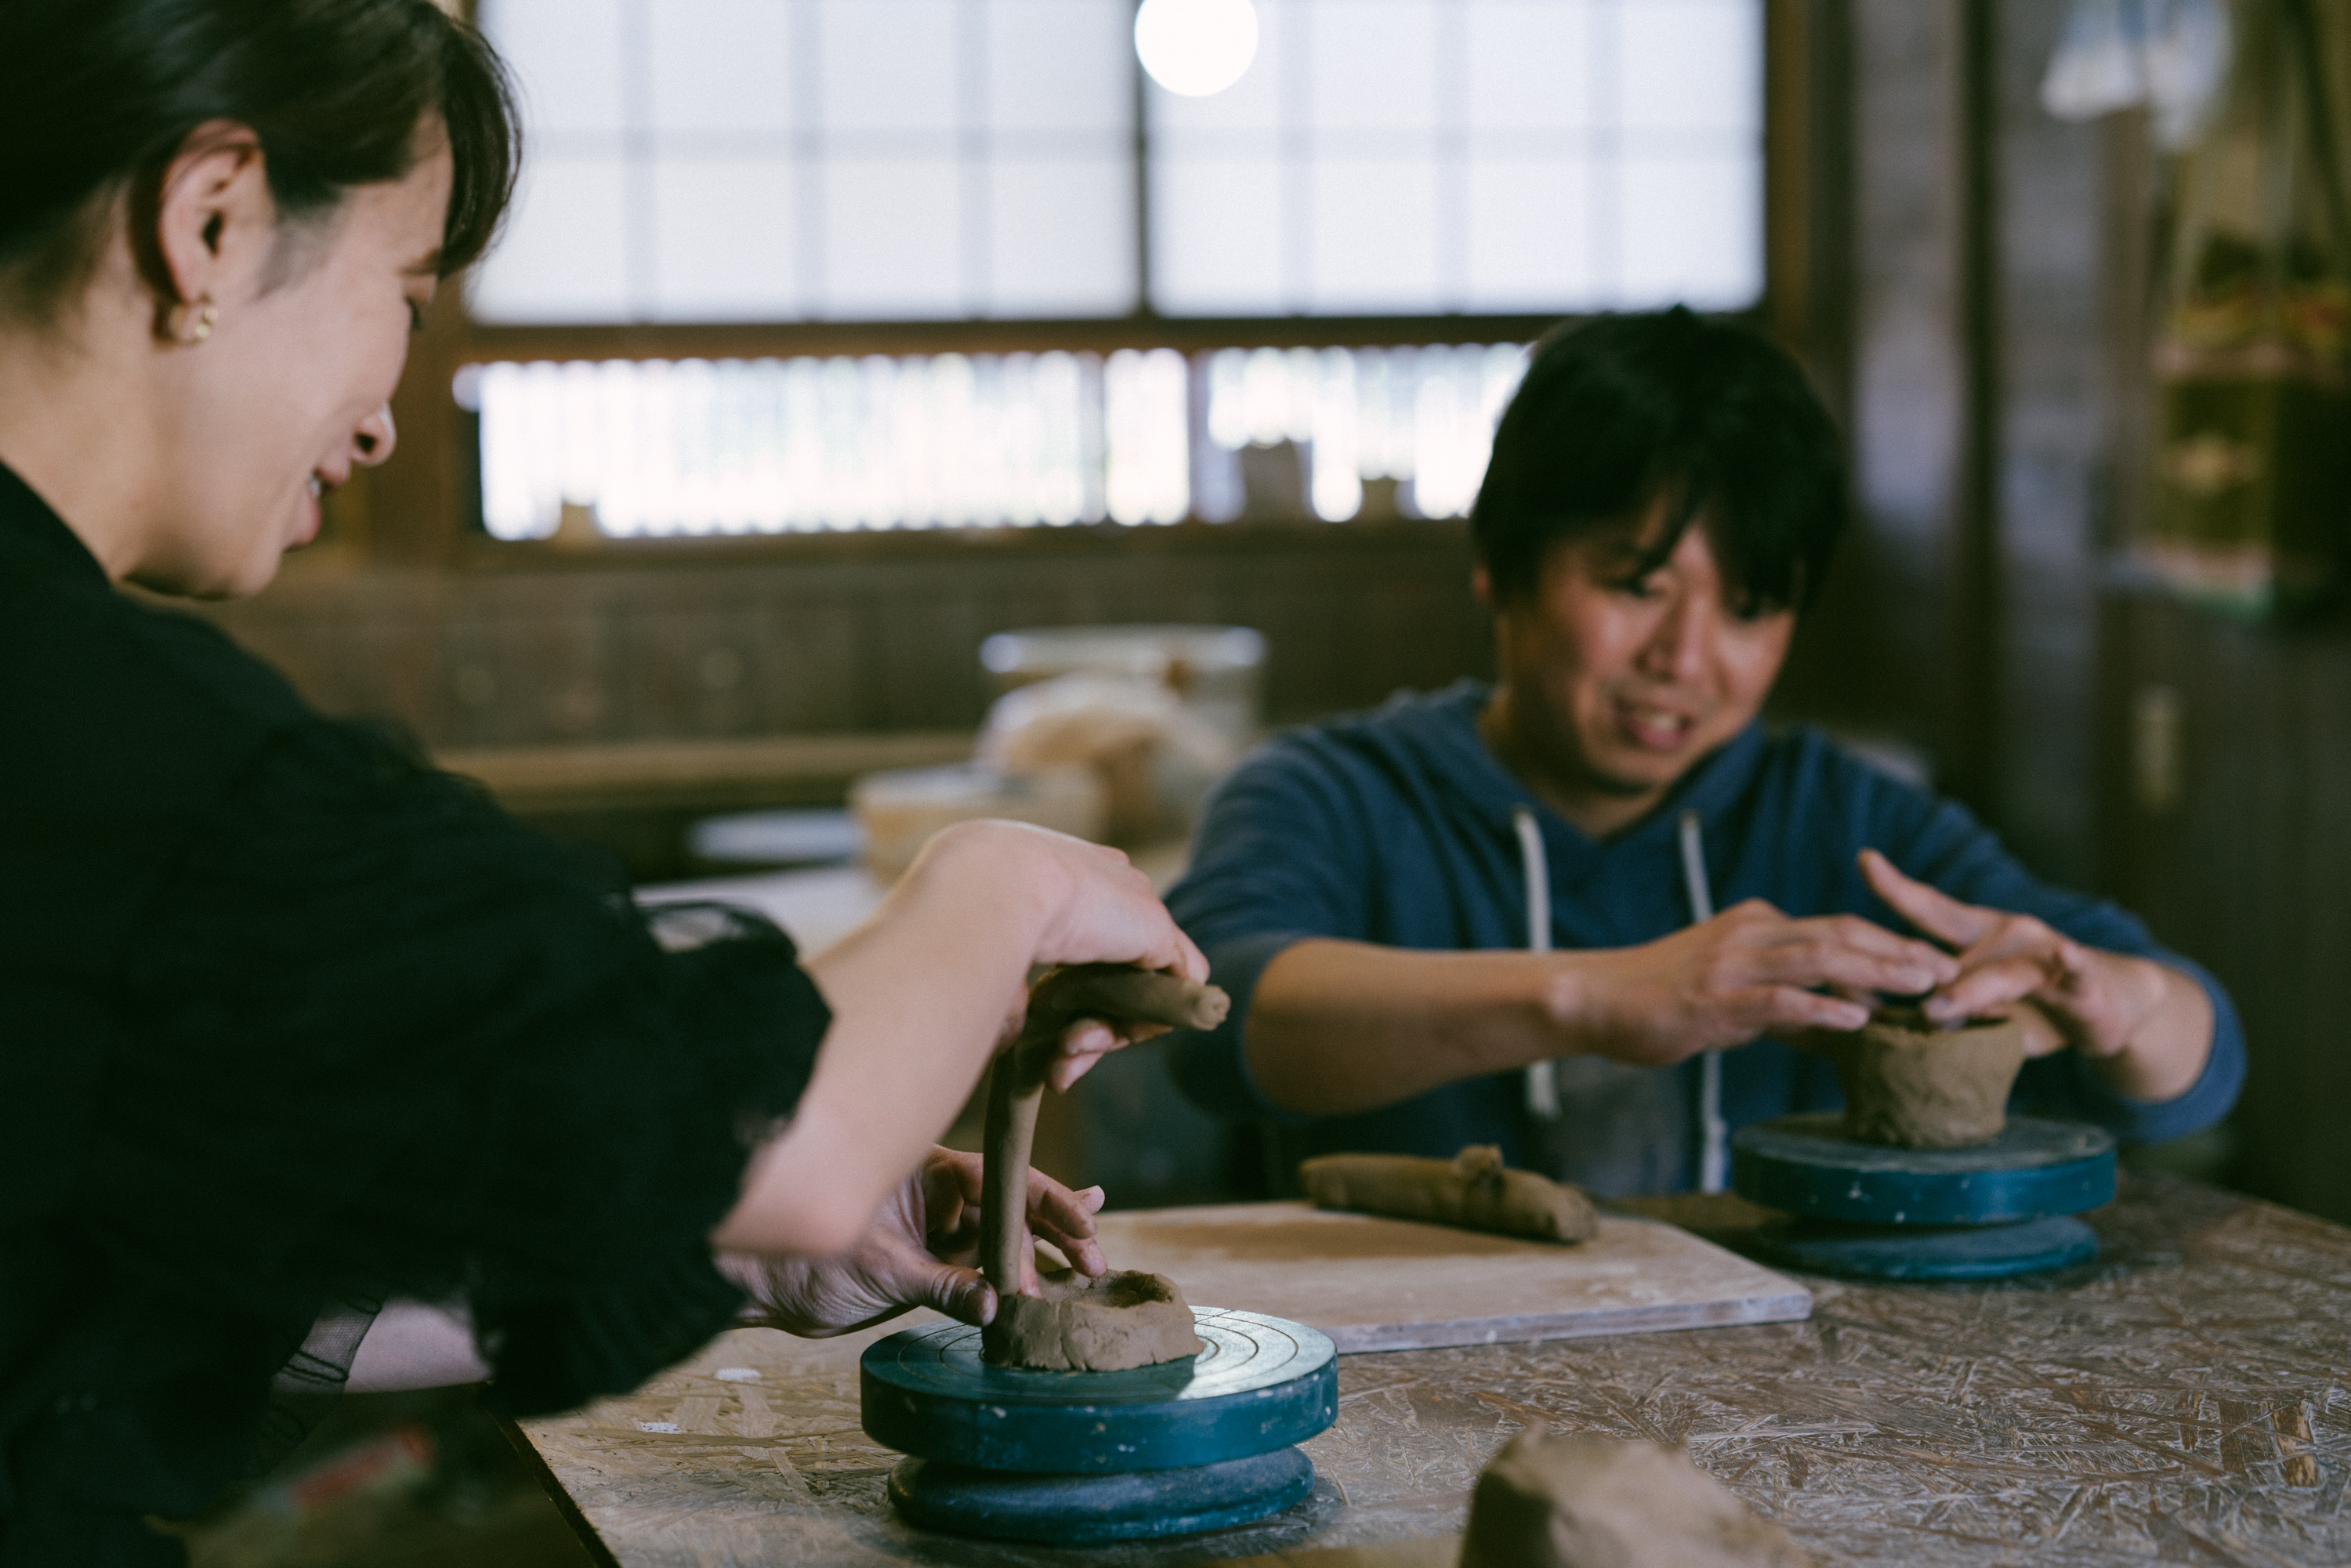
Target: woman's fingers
x,y
1930,909
1066,1218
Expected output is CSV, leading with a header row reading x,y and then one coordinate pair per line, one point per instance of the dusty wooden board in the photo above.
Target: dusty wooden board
x,y
1376,1284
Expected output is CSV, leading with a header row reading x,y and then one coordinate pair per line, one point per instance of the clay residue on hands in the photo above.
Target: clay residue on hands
x,y
1121,1320
1914,1086
1584,1501
1126,1319
1473,1190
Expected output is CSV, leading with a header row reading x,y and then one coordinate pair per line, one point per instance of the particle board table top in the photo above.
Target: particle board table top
x,y
2187,1397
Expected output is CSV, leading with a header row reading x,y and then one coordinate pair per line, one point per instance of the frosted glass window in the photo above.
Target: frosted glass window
x,y
725,241
863,159
566,60
561,258
1059,65
1372,64
1375,235
1689,225
1528,241
892,243
890,65
1691,65
811,160
1436,156
1529,66
1047,259
1231,211
748,86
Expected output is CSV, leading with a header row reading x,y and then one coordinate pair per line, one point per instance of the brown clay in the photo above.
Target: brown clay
x,y
1583,1501
1075,1325
1123,1320
1473,1190
1917,1087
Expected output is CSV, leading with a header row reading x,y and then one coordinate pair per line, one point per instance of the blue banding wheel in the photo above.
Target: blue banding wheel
x,y
1082,1511
1805,1165
1261,1384
1925,1252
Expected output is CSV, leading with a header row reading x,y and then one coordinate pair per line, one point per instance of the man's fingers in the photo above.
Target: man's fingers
x,y
1819,953
1928,908
1856,935
1991,988
1774,1009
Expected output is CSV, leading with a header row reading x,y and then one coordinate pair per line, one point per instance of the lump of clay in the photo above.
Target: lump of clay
x,y
1918,1087
1126,1319
1582,1501
1473,1190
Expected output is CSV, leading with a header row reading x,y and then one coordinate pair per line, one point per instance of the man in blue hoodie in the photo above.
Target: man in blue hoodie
x,y
1490,915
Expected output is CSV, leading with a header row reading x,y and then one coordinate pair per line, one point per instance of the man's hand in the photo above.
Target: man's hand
x,y
2148,1027
1749,971
918,1252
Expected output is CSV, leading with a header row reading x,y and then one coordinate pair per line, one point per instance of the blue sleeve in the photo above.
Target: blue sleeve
x,y
1939,842
1283,855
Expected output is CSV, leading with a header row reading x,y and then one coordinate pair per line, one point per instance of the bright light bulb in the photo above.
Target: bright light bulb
x,y
1196,47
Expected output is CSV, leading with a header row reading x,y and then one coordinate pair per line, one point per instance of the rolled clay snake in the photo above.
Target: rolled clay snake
x,y
1116,993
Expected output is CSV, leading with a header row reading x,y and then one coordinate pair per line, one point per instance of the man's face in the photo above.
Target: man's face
x,y
1615,683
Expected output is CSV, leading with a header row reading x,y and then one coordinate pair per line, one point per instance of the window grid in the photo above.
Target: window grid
x,y
1477,195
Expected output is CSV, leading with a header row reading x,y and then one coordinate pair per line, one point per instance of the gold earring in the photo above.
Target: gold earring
x,y
206,314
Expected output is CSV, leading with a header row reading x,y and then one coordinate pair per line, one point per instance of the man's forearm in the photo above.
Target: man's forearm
x,y
1339,1027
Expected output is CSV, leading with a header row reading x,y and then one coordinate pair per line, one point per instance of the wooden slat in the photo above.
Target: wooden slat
x,y
652,773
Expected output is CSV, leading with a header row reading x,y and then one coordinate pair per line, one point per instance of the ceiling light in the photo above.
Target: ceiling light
x,y
1196,47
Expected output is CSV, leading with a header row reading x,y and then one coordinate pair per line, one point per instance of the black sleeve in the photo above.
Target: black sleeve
x,y
382,1040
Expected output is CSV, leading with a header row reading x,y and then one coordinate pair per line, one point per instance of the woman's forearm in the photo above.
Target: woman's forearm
x,y
919,995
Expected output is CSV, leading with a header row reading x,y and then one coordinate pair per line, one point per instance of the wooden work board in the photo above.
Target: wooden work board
x,y
1378,1284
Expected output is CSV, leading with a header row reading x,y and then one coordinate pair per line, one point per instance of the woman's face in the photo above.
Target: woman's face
x,y
290,392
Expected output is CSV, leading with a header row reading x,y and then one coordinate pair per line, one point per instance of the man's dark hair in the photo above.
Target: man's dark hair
x,y
1619,410
97,98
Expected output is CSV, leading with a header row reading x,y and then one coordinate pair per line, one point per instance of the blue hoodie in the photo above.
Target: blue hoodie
x,y
1397,828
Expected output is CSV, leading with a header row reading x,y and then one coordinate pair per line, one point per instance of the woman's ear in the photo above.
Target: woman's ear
x,y
215,226
1481,583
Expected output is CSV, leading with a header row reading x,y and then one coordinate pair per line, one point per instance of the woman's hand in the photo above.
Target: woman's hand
x,y
922,994
1094,906
918,1252
2149,1027
1749,971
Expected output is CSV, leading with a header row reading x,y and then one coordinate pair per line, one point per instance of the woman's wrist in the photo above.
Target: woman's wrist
x,y
996,867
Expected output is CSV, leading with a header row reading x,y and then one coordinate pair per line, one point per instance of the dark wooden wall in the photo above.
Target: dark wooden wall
x,y
2242,857
879,633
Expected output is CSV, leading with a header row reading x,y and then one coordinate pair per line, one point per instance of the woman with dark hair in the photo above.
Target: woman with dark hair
x,y
292,1027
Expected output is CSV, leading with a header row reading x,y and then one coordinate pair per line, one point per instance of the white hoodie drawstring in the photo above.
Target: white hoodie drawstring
x,y
1714,1156
1542,1077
